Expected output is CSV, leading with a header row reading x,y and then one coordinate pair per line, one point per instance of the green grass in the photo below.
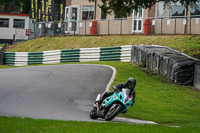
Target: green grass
x,y
156,100
4,66
1,45
20,125
185,43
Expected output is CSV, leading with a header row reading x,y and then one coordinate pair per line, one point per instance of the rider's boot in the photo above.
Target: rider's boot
x,y
124,112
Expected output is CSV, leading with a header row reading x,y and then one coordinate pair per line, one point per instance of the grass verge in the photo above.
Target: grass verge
x,y
26,125
4,66
156,100
188,44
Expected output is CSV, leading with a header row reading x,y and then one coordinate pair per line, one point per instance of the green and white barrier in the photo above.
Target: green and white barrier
x,y
122,53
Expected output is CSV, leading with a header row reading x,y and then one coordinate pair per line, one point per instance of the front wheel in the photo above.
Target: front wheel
x,y
93,114
113,111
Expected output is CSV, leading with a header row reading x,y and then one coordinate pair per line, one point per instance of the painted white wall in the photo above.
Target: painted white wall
x,y
7,33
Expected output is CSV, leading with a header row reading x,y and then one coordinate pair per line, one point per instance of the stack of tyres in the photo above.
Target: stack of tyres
x,y
173,65
197,76
154,55
178,68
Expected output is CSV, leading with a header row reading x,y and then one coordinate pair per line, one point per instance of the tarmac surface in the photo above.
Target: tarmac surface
x,y
59,92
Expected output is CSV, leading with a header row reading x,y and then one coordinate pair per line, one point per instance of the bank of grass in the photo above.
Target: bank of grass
x,y
188,44
156,100
1,45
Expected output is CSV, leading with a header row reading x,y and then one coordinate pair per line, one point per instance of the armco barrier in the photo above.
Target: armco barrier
x,y
122,53
71,55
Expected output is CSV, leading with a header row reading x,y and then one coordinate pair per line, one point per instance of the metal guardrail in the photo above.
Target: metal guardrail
x,y
121,26
122,53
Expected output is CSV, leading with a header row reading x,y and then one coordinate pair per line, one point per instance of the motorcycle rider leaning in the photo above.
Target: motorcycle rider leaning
x,y
130,84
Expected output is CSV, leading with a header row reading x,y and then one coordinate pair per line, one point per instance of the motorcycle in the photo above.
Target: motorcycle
x,y
112,105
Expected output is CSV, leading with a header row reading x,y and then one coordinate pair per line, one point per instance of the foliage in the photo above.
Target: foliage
x,y
16,6
122,7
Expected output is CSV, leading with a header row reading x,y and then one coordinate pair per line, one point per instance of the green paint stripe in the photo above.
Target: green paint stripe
x,y
33,63
70,50
9,54
70,55
9,58
110,59
110,48
110,54
72,60
35,58
35,54
67,58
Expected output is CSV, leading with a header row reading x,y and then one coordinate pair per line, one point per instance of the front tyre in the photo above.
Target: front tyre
x,y
93,114
113,111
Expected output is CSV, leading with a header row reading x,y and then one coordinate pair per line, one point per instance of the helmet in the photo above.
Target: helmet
x,y
131,83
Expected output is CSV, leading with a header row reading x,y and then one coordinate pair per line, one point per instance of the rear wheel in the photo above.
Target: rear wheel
x,y
113,111
93,114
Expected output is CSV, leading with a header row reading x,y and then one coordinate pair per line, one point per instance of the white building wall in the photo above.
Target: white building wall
x,y
7,33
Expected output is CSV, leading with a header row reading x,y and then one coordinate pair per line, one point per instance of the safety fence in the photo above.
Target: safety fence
x,y
49,29
122,53
121,26
173,65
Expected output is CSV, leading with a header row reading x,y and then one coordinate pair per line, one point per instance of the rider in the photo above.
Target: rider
x,y
130,84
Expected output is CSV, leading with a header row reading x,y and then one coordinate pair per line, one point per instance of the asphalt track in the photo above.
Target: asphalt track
x,y
59,92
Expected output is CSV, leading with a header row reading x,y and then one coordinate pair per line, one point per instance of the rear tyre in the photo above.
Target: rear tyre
x,y
93,114
113,112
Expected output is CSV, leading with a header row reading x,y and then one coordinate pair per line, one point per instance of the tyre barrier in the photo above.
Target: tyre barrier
x,y
122,53
173,65
197,76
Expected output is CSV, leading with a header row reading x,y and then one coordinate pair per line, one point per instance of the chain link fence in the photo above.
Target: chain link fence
x,y
49,29
125,26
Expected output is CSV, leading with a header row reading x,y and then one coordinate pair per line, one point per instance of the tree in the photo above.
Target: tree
x,y
126,7
19,6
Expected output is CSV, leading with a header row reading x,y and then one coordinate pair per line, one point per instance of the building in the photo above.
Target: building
x,y
13,26
168,19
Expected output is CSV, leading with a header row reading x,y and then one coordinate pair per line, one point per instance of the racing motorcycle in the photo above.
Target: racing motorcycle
x,y
112,106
